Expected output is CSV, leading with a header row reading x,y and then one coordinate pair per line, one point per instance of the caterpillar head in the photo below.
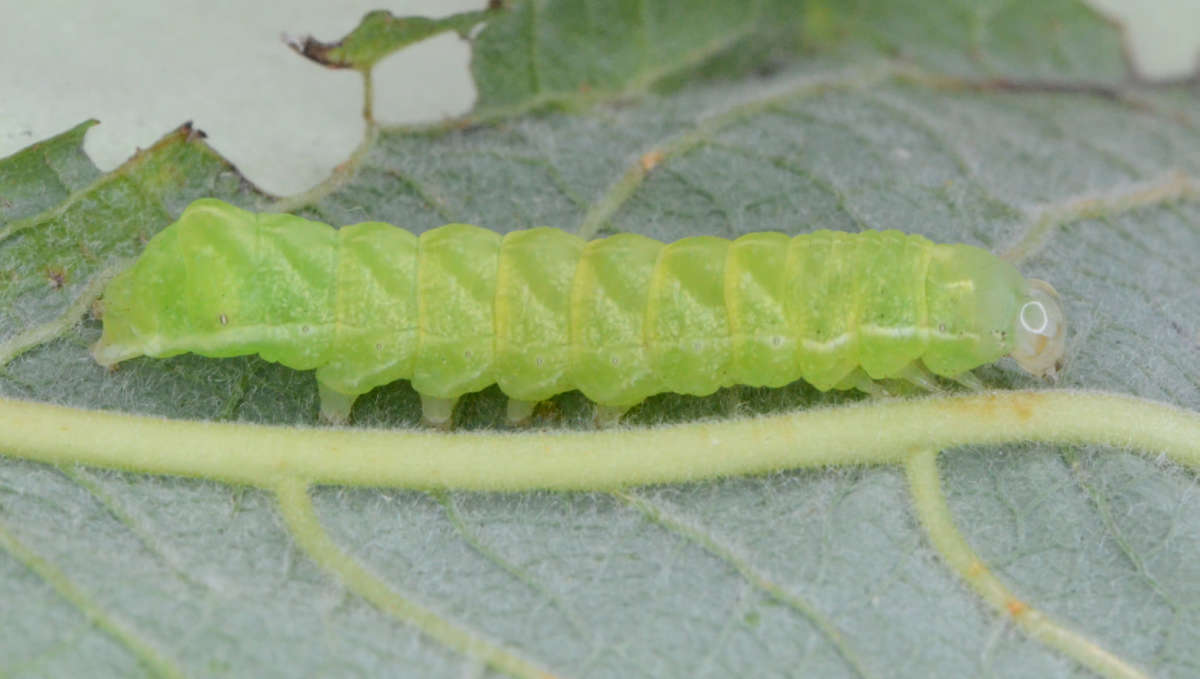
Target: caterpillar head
x,y
1041,332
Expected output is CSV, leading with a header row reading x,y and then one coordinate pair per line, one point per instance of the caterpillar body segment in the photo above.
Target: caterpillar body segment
x,y
541,311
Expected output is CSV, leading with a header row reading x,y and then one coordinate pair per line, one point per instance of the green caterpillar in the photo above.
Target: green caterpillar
x,y
541,311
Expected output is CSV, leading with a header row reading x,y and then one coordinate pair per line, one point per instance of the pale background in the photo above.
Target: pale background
x,y
143,68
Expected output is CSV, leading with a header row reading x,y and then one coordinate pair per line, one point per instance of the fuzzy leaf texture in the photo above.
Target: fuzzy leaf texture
x,y
1012,126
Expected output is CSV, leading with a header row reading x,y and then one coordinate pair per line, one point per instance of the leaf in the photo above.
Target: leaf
x,y
381,33
1000,124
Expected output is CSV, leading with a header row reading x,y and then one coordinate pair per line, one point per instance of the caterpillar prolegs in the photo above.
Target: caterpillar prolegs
x,y
541,311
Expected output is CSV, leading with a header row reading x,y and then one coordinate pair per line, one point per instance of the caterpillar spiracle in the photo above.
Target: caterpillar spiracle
x,y
541,311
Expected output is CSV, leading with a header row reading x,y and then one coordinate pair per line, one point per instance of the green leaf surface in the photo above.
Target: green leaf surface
x,y
1005,125
380,34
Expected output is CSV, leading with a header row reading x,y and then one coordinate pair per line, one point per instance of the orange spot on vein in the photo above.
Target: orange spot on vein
x,y
651,160
1016,607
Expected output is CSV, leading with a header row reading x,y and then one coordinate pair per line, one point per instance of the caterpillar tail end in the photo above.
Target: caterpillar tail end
x,y
117,343
119,340
109,352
